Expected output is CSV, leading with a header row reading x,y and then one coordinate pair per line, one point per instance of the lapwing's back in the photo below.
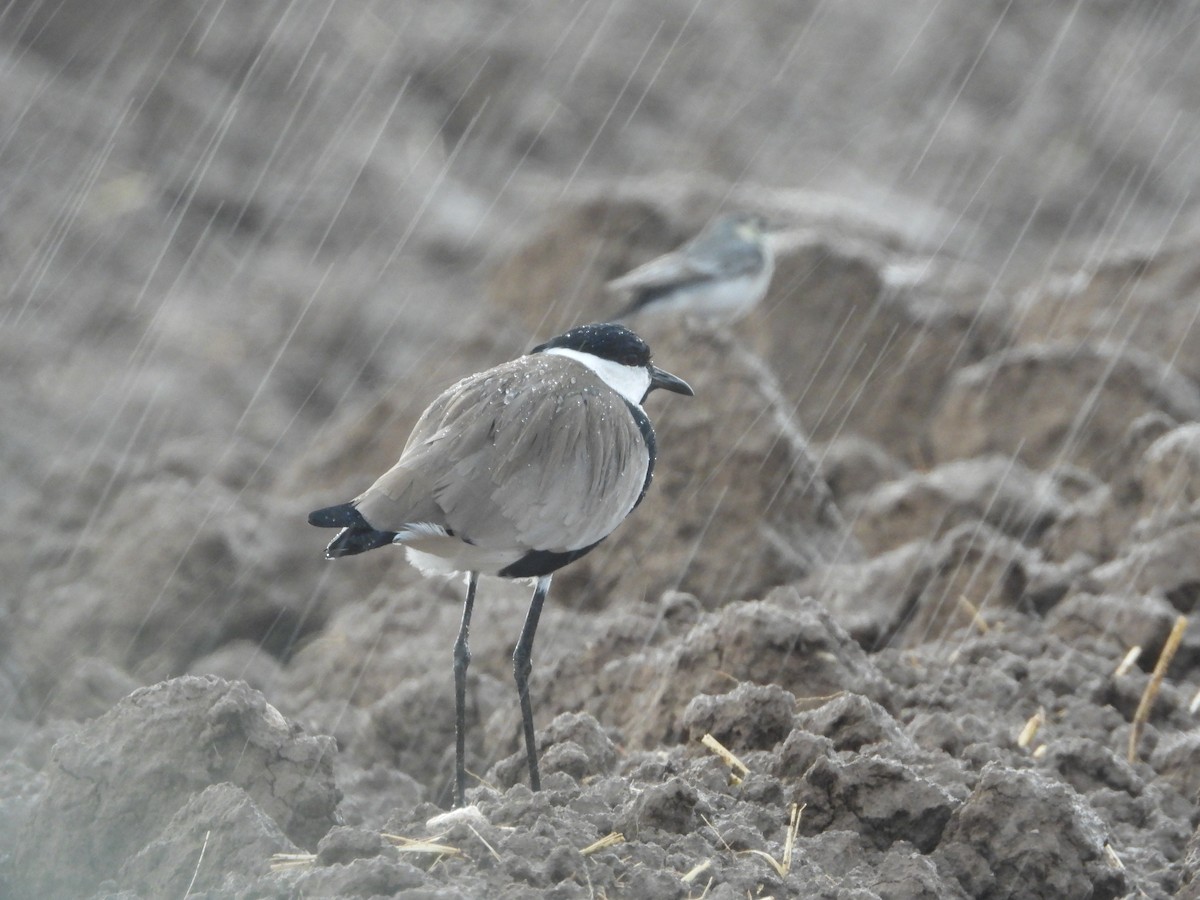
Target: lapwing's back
x,y
536,454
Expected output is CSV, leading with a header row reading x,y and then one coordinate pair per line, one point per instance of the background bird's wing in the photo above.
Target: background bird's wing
x,y
711,254
720,253
673,268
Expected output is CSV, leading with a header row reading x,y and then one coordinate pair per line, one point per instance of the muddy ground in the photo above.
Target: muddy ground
x,y
911,554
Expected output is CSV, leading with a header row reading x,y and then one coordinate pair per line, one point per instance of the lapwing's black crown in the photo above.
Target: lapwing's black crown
x,y
605,340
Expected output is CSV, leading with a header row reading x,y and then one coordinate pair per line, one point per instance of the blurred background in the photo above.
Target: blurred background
x,y
243,244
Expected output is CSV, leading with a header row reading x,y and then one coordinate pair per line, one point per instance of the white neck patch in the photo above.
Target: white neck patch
x,y
631,382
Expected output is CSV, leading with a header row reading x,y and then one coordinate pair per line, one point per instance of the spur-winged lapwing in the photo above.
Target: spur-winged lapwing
x,y
717,277
516,472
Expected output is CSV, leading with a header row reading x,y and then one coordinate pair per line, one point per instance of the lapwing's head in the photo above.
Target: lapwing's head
x,y
618,356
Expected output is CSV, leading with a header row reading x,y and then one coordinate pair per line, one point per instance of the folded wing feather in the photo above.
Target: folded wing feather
x,y
477,465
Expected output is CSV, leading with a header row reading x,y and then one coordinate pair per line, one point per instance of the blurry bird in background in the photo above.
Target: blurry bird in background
x,y
715,278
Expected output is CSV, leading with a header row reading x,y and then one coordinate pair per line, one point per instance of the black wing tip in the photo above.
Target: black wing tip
x,y
344,515
337,549
351,541
357,534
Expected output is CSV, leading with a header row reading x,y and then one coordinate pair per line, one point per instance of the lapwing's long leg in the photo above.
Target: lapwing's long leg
x,y
522,665
462,659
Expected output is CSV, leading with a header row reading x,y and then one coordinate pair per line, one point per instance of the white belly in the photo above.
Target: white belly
x,y
444,555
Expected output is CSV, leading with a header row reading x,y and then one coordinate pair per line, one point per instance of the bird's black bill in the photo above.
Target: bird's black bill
x,y
668,382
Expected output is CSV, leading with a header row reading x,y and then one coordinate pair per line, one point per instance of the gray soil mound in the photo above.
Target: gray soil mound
x,y
888,622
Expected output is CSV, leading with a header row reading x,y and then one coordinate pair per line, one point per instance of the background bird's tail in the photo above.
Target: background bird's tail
x,y
356,536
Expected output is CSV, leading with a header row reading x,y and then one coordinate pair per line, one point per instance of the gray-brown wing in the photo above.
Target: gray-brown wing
x,y
545,457
564,465
406,493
